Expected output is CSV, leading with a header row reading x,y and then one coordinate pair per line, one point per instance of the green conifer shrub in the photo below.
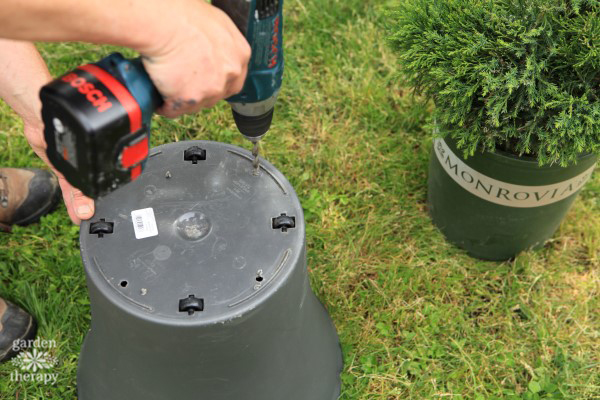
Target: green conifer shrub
x,y
517,75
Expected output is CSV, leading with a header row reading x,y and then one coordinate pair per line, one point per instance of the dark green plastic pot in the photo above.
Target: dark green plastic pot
x,y
495,205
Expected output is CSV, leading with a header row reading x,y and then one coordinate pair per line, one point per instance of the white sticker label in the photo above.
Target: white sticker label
x,y
144,223
503,193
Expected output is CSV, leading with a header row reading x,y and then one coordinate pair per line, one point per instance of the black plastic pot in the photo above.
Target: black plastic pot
x,y
495,205
199,286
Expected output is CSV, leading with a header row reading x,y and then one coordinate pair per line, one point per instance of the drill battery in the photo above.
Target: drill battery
x,y
95,128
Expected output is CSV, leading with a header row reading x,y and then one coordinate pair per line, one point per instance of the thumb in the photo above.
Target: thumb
x,y
78,205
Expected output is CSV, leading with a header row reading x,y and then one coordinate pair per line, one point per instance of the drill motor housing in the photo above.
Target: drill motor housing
x,y
261,22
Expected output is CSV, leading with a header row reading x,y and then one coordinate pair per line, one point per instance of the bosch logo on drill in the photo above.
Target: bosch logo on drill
x,y
92,94
274,44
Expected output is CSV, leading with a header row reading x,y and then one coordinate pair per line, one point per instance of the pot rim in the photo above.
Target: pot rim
x,y
505,157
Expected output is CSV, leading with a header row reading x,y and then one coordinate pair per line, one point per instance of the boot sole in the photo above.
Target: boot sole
x,y
29,335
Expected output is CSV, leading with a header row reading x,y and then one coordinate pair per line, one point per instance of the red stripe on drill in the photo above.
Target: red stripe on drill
x,y
135,172
121,93
135,154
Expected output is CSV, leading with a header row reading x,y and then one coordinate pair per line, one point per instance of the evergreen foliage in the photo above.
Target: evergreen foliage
x,y
518,75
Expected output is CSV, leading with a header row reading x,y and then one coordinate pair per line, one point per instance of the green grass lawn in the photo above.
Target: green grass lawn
x,y
417,317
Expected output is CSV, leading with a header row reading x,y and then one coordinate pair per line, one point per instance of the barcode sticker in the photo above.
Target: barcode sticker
x,y
144,223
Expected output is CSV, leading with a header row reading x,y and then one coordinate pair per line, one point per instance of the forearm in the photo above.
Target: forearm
x,y
139,24
23,74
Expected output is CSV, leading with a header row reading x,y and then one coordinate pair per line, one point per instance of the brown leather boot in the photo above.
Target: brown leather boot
x,y
26,195
16,328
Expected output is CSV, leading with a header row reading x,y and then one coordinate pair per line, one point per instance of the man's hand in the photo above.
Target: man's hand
x,y
193,52
204,60
79,206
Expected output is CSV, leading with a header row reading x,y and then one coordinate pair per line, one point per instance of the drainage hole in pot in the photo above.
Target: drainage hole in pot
x,y
259,279
124,284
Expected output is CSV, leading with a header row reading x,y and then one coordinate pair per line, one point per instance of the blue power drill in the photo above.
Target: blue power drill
x,y
97,118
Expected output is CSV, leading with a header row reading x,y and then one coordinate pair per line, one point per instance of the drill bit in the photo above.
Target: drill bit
x,y
255,162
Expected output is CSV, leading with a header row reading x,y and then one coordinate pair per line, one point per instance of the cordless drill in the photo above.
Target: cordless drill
x,y
97,118
261,22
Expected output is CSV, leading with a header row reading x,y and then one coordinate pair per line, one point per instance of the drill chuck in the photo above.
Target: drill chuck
x,y
253,128
253,120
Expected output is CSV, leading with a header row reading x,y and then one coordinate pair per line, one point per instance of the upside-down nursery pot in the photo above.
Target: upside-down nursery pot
x,y
199,288
495,205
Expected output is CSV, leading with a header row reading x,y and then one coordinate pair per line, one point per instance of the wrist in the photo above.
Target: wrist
x,y
30,111
185,21
164,27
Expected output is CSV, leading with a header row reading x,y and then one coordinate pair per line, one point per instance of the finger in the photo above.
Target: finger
x,y
166,110
66,192
78,206
246,50
175,108
210,102
82,205
236,84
